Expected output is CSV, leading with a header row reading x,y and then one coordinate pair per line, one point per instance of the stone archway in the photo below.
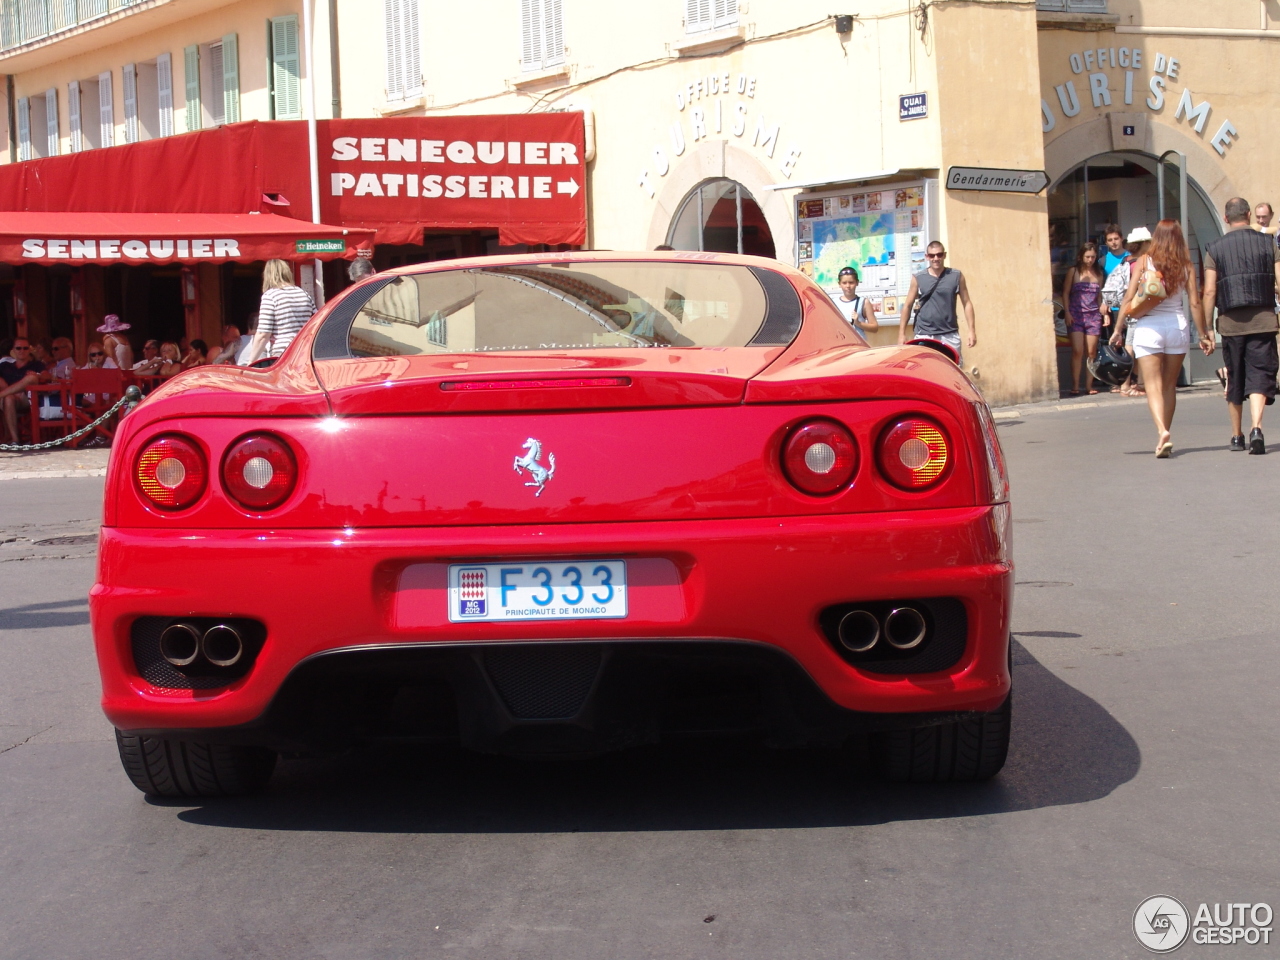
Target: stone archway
x,y
717,159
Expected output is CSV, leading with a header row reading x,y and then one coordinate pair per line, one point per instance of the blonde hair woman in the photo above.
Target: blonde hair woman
x,y
284,311
172,358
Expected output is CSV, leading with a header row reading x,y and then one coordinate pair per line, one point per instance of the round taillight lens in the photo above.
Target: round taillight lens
x,y
914,454
259,471
820,457
171,472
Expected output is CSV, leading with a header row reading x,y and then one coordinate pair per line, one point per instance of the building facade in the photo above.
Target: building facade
x,y
754,126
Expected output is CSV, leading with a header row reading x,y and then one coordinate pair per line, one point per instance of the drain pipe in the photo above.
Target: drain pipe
x,y
335,73
313,152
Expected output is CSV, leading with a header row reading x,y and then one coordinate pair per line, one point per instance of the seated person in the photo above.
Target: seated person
x,y
171,359
197,355
151,362
18,372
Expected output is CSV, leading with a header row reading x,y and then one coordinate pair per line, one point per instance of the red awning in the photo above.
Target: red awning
x,y
49,237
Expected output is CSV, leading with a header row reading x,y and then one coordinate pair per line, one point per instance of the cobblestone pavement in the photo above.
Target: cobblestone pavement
x,y
89,462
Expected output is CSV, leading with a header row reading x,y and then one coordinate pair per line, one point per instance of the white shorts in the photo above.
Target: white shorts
x,y
1153,335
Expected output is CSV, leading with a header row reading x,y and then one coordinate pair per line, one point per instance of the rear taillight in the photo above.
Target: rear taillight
x,y
914,453
171,472
820,457
259,471
996,470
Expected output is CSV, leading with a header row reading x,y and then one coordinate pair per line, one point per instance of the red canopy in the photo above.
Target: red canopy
x,y
138,238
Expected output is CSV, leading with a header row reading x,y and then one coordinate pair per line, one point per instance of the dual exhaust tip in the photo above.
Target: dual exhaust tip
x,y
181,644
904,628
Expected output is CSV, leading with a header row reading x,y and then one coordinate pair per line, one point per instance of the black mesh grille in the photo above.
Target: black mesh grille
x,y
152,667
331,341
783,313
544,682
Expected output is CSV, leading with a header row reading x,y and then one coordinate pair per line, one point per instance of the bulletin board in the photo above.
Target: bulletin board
x,y
881,231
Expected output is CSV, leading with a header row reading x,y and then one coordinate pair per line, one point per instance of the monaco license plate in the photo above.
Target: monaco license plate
x,y
563,590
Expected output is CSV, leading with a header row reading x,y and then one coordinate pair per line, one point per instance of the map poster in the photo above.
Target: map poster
x,y
880,232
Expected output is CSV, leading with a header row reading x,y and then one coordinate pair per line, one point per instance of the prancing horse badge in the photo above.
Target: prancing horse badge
x,y
539,475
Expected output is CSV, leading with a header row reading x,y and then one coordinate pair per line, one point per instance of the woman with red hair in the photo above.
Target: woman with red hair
x,y
1161,337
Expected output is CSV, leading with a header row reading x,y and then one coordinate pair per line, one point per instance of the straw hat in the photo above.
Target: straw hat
x,y
112,324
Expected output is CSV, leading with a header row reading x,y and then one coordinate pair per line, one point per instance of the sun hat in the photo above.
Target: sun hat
x,y
111,324
1138,235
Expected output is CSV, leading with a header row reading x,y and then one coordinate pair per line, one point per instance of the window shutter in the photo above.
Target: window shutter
x,y
217,98
286,72
130,79
393,21
231,78
191,73
164,93
105,114
530,35
411,45
725,13
73,116
51,120
552,33
24,128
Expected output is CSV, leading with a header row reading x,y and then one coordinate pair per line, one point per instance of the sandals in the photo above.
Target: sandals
x,y
1164,448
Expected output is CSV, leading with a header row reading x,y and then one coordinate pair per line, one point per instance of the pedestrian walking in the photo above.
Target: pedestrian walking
x,y
1162,278
1262,215
932,296
1113,294
284,310
362,267
856,310
1241,279
1082,293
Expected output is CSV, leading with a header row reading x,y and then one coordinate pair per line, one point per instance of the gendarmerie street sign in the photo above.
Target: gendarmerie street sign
x,y
989,178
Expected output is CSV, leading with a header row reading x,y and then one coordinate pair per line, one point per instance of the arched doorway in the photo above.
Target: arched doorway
x,y
721,216
1126,188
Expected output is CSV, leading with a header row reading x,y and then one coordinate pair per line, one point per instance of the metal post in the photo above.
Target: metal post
x,y
1084,221
700,223
313,151
737,196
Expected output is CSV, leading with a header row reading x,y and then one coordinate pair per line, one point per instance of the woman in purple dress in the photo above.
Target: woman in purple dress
x,y
1082,293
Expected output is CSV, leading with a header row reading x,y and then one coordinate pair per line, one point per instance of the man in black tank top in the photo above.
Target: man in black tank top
x,y
1241,278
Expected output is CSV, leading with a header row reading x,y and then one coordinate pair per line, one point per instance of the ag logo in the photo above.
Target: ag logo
x,y
1161,924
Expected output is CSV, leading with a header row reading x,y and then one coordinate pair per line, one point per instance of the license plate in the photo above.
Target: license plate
x,y
563,590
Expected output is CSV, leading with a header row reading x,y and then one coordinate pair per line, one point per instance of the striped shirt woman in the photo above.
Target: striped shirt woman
x,y
284,311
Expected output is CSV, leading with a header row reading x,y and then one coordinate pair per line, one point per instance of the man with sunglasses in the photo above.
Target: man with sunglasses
x,y
18,371
935,292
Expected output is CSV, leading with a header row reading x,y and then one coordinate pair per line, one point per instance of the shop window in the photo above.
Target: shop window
x,y
702,15
541,34
404,49
721,216
286,71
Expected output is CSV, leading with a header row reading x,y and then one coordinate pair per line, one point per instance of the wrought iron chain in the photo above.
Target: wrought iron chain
x,y
132,397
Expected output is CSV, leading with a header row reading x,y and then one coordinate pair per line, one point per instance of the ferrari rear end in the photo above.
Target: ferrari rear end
x,y
559,505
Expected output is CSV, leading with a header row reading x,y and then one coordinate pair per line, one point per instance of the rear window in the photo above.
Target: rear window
x,y
571,306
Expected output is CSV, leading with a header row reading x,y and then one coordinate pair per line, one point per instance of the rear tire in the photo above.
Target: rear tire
x,y
178,768
962,750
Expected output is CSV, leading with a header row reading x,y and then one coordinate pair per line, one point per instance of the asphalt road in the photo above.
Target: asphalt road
x,y
1144,761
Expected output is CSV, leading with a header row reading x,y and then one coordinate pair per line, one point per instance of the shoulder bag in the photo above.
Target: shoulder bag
x,y
1150,293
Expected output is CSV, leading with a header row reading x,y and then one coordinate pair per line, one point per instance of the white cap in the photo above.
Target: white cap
x,y
1138,235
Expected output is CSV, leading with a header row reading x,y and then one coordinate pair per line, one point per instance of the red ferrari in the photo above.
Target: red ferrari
x,y
558,504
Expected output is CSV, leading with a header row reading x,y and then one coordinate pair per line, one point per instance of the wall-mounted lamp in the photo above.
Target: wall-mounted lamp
x,y
844,23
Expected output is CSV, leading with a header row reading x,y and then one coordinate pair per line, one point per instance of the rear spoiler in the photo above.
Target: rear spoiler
x,y
943,348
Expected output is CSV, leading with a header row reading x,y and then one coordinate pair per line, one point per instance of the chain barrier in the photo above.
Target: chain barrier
x,y
132,397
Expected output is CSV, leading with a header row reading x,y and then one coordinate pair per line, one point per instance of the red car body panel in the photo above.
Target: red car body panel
x,y
676,470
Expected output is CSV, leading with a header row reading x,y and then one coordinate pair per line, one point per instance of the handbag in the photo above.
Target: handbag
x,y
1150,293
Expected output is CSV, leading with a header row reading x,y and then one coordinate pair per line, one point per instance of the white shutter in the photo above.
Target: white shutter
x,y
530,34
697,15
73,116
411,48
286,72
105,115
725,13
393,20
164,93
24,128
191,76
230,79
217,89
552,32
51,120
129,73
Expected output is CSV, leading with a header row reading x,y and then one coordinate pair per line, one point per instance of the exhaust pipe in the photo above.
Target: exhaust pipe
x,y
180,644
859,631
222,645
905,628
